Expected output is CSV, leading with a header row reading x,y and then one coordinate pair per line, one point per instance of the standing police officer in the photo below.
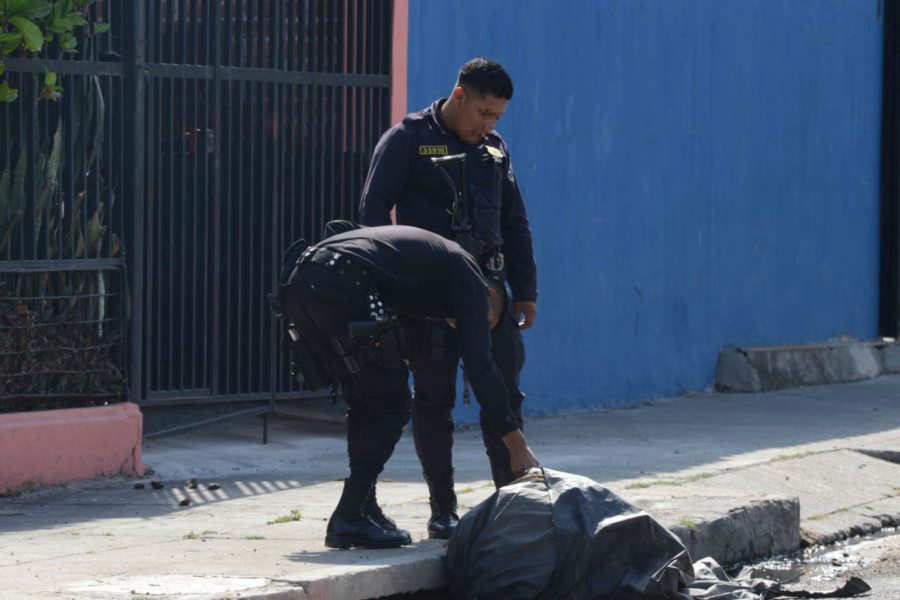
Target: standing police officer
x,y
404,174
344,301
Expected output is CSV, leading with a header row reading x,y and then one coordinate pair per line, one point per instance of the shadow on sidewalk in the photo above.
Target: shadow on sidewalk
x,y
115,498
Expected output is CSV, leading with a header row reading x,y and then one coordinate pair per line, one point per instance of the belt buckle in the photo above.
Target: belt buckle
x,y
495,262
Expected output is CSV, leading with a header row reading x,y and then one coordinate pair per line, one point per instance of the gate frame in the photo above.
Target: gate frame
x,y
135,73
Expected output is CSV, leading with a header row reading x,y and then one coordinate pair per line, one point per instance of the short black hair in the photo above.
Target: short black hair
x,y
485,76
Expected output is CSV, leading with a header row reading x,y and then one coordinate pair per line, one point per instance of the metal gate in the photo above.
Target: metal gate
x,y
243,125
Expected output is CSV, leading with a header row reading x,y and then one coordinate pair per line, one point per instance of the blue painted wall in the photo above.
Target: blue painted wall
x,y
698,173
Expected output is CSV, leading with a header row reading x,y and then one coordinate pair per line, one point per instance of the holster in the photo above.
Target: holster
x,y
382,343
311,372
313,375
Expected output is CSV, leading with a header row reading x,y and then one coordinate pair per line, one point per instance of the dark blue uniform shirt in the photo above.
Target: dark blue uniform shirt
x,y
401,174
420,274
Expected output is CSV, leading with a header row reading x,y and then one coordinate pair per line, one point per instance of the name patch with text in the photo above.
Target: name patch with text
x,y
432,150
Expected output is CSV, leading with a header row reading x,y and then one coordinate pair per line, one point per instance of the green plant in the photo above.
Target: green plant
x,y
294,516
51,346
30,26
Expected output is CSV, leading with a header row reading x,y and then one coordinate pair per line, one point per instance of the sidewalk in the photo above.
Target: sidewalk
x,y
737,476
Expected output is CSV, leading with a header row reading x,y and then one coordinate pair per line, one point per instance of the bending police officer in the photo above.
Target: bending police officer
x,y
404,175
345,300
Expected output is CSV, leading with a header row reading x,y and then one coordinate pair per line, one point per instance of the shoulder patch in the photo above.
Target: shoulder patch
x,y
432,150
495,152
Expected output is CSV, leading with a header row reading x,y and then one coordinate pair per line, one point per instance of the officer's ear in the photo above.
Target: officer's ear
x,y
458,93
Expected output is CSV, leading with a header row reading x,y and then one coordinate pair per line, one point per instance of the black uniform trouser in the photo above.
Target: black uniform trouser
x,y
320,302
434,359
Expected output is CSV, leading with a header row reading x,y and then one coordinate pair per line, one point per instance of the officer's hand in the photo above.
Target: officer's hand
x,y
521,458
525,313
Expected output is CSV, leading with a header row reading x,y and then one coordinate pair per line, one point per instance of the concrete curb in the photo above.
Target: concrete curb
x,y
277,592
767,368
421,570
175,586
765,527
761,528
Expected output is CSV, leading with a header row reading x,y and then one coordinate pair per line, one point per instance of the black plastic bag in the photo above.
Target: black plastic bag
x,y
557,535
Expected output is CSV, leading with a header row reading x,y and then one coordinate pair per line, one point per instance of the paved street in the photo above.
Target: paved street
x,y
737,476
874,559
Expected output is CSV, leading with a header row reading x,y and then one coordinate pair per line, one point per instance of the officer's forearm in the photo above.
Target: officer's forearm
x,y
491,394
521,458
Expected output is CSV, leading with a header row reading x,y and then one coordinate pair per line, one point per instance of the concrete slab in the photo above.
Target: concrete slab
x,y
185,587
757,369
890,358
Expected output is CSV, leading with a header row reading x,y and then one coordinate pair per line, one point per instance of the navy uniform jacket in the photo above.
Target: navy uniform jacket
x,y
402,175
420,274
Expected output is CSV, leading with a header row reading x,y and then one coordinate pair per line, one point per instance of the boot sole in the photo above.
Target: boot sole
x,y
345,543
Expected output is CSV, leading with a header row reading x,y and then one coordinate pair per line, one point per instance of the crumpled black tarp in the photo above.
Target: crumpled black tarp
x,y
557,535
563,536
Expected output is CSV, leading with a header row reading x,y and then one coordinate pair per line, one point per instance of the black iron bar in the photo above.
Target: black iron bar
x,y
171,269
259,74
43,325
170,31
32,148
208,133
183,428
154,241
54,371
202,398
183,27
252,205
60,349
136,99
304,199
63,67
220,27
198,148
275,241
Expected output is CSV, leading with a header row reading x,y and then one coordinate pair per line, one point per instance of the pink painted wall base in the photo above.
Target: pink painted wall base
x,y
58,446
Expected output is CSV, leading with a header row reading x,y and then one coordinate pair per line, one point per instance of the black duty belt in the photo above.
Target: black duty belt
x,y
340,263
379,340
493,265
351,269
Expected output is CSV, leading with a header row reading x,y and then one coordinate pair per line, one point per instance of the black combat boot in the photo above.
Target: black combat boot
x,y
374,512
349,525
442,524
443,519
